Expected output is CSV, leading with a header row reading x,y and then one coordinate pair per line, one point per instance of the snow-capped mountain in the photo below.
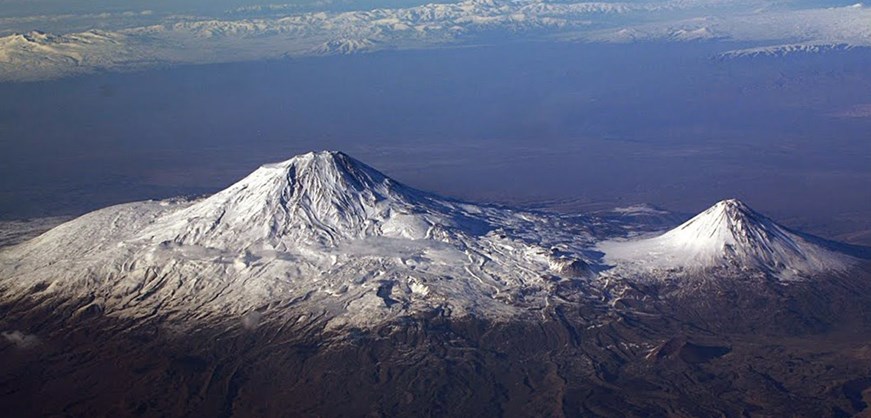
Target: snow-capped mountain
x,y
344,46
178,39
320,278
321,232
319,197
175,39
330,239
728,235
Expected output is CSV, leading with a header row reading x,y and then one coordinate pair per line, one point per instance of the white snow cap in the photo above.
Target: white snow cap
x,y
321,234
321,196
731,235
324,234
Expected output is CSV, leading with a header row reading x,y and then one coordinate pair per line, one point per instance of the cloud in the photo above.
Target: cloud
x,y
20,339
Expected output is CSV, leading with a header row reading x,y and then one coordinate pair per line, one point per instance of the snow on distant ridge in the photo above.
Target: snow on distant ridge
x,y
798,29
858,111
196,40
784,50
639,209
345,46
204,40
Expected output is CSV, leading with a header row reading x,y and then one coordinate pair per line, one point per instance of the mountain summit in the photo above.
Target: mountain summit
x,y
321,196
729,235
323,274
321,231
332,237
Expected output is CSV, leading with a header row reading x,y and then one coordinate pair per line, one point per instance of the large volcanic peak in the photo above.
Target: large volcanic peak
x,y
319,196
335,239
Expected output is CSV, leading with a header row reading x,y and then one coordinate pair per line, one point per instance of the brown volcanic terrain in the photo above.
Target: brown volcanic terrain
x,y
764,350
728,314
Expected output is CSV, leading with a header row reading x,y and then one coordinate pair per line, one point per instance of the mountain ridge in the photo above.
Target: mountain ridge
x,y
323,195
327,235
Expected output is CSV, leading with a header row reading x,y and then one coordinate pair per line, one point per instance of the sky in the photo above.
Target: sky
x,y
583,105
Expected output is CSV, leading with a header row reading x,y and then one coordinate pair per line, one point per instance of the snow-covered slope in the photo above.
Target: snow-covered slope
x,y
323,237
319,197
321,234
729,235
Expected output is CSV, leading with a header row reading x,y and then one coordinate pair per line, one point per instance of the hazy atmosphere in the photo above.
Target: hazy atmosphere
x,y
477,208
596,125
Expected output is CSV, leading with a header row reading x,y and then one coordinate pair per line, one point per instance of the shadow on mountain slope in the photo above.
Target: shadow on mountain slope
x,y
574,361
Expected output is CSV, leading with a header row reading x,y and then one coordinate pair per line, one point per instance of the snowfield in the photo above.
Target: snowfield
x,y
325,236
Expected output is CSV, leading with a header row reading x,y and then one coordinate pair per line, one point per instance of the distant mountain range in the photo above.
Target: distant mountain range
x,y
34,55
785,50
